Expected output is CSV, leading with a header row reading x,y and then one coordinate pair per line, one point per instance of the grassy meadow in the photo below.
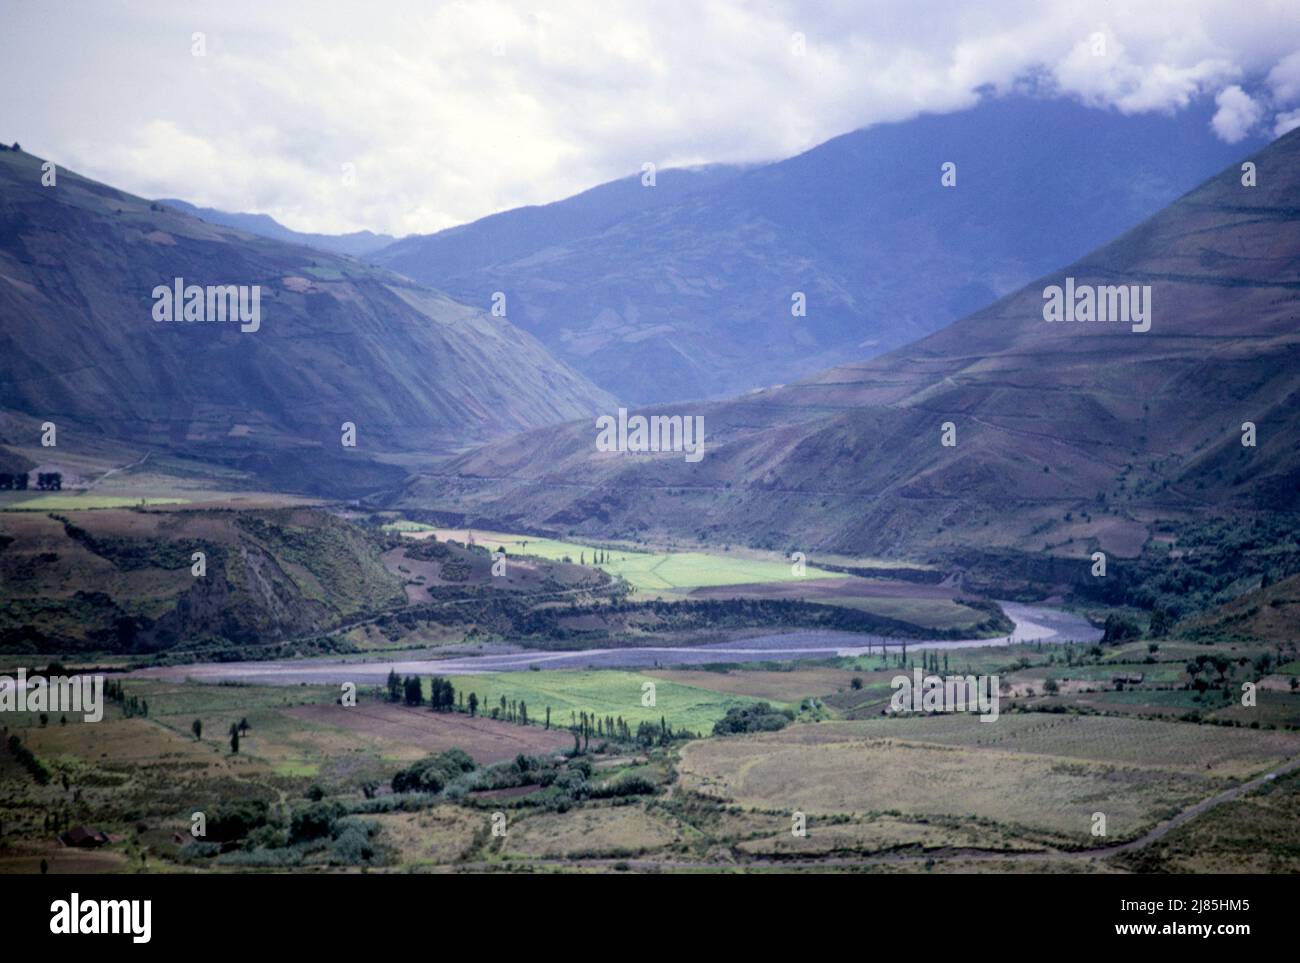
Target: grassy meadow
x,y
645,571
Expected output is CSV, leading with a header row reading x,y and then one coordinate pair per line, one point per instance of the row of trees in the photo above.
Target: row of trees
x,y
131,705
584,725
237,729
442,694
46,481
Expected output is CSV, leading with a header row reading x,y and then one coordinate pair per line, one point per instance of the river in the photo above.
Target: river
x,y
1033,624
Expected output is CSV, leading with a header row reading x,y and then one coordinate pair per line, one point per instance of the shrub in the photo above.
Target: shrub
x,y
315,821
759,717
432,773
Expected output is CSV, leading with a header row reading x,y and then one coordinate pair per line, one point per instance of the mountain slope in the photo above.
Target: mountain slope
x,y
1070,436
356,244
521,232
338,341
692,298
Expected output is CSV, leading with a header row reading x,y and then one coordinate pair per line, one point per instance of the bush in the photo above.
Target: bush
x,y
235,820
432,773
354,842
627,786
315,821
1120,628
759,717
271,858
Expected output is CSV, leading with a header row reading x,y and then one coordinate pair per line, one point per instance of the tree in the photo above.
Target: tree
x,y
243,725
197,728
1221,666
473,704
1119,628
548,708
413,691
394,686
523,712
1161,623
442,694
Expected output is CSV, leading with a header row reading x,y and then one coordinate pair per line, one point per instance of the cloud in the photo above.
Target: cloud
x,y
1237,114
1284,80
449,112
1285,123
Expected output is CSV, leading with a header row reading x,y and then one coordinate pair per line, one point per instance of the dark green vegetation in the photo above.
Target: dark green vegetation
x,y
759,717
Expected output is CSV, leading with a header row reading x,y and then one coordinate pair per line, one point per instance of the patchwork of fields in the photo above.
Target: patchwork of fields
x,y
1040,775
1018,793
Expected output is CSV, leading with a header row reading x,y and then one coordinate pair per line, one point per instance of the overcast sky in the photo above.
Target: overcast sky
x,y
450,111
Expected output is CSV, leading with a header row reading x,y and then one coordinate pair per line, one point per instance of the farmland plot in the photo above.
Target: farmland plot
x,y
882,766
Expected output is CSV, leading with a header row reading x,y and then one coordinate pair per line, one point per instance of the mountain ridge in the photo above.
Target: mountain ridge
x,y
1070,437
338,342
693,298
353,243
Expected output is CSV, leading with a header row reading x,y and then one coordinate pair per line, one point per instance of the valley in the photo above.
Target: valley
x,y
402,550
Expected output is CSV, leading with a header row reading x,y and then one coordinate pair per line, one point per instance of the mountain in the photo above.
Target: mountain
x,y
1070,436
684,290
1270,612
338,341
357,243
522,232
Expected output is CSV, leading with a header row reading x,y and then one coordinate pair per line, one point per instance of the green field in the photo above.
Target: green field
x,y
74,502
645,571
604,692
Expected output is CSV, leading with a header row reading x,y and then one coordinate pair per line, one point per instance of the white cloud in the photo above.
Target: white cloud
x,y
1237,114
1285,123
1284,79
441,130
